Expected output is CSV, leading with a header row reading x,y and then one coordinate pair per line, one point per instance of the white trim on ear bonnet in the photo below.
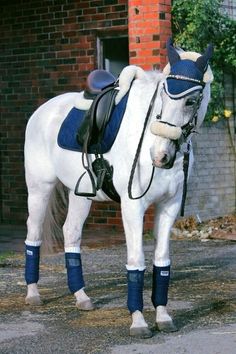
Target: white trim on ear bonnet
x,y
208,75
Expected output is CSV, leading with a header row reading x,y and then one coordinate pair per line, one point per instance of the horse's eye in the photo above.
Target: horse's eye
x,y
190,102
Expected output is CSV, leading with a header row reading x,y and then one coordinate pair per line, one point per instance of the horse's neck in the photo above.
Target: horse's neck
x,y
140,98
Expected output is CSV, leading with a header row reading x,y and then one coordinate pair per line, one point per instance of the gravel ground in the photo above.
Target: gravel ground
x,y
202,302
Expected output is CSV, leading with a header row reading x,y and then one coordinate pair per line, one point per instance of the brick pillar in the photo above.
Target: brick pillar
x,y
149,28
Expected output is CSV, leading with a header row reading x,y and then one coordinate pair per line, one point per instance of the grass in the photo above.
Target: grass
x,y
5,255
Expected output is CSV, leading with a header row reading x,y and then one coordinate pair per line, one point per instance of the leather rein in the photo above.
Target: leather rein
x,y
187,130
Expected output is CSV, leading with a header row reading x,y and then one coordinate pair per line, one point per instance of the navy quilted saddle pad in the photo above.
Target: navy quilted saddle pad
x,y
67,135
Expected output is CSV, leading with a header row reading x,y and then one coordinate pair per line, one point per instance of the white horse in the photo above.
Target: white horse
x,y
182,93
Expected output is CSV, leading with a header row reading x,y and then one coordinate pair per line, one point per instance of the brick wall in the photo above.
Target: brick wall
x,y
211,190
149,28
47,48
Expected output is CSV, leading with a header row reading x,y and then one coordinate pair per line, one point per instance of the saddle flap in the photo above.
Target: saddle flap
x,y
104,108
96,118
68,137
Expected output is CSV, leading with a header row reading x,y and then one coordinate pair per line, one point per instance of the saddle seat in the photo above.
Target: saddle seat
x,y
96,81
100,87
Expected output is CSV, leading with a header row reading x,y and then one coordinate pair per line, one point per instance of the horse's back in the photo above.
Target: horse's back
x,y
51,112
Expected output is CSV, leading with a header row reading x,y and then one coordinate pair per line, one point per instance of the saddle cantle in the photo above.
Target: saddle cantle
x,y
96,81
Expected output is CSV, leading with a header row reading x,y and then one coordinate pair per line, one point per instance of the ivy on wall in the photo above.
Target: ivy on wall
x,y
197,23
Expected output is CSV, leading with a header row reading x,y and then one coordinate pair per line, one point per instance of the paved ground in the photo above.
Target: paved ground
x,y
202,302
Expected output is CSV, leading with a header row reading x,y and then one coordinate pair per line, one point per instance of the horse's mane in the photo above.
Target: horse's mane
x,y
133,72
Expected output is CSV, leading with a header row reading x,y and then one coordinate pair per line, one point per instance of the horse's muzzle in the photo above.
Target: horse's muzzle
x,y
164,161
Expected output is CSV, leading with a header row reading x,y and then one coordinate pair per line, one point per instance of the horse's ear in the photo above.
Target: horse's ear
x,y
173,55
202,61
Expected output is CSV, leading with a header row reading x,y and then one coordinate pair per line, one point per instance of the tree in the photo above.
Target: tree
x,y
197,23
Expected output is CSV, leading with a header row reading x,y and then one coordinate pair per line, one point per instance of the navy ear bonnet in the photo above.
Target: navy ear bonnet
x,y
185,75
177,86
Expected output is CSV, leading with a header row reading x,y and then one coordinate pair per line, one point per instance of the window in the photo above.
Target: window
x,y
113,54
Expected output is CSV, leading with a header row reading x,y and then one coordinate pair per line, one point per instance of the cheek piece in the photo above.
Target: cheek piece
x,y
135,279
74,271
160,285
32,256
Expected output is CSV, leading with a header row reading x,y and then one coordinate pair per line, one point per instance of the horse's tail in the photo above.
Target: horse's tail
x,y
55,217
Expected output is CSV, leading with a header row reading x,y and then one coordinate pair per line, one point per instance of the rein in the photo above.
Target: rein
x,y
150,108
187,129
185,184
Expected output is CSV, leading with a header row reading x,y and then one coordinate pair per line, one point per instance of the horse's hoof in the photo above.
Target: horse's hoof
x,y
85,305
140,332
166,327
33,300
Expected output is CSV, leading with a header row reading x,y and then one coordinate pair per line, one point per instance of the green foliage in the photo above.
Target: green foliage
x,y
197,23
4,257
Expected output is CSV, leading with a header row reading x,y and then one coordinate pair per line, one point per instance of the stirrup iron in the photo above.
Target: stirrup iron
x,y
86,194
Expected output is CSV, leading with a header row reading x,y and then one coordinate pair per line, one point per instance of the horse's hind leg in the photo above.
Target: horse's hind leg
x,y
77,213
38,197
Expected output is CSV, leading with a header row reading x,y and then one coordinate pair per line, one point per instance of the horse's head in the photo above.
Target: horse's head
x,y
185,94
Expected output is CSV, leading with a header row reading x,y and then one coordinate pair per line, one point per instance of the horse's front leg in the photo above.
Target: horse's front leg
x,y
166,213
132,215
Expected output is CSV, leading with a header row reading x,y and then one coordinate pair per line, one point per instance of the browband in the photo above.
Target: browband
x,y
185,78
183,93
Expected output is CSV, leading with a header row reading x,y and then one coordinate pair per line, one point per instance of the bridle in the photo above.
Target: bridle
x,y
188,128
186,131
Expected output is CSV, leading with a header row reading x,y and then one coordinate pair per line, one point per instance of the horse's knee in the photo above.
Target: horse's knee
x,y
162,254
72,238
136,263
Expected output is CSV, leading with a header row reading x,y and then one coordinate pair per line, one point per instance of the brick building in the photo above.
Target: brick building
x,y
48,47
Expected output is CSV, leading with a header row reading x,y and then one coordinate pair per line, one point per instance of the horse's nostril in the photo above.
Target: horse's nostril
x,y
164,158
